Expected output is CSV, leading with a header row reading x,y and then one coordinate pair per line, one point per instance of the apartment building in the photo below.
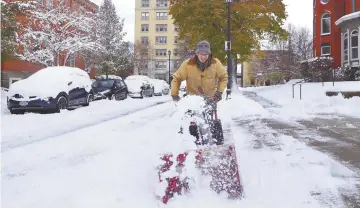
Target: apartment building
x,y
336,31
154,26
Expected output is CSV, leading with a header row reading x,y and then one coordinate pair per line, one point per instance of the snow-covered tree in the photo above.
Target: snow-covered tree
x,y
10,26
109,35
57,34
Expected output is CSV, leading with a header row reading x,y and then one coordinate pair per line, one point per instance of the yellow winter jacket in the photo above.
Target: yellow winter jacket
x,y
213,78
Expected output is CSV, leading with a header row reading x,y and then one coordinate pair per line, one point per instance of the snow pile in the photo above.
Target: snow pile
x,y
314,99
37,127
49,82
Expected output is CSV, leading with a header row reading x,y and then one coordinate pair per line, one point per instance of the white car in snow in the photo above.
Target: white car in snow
x,y
161,87
50,89
139,86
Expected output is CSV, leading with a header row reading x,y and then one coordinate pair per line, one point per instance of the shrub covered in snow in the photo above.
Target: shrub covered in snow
x,y
347,73
317,69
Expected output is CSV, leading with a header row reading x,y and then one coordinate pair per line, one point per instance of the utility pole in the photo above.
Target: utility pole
x,y
228,49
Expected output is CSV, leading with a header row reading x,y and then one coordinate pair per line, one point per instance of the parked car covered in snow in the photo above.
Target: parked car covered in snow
x,y
161,87
139,86
111,88
50,89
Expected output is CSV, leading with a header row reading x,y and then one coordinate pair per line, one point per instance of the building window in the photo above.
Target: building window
x,y
161,15
160,64
325,24
176,52
160,52
144,27
145,3
160,39
145,16
346,47
325,49
176,39
161,3
355,44
161,27
176,28
13,80
324,1
144,39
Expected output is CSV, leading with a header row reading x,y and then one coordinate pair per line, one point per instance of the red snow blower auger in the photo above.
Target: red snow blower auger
x,y
214,157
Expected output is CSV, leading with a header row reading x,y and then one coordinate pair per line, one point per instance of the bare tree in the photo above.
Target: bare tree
x,y
283,57
142,57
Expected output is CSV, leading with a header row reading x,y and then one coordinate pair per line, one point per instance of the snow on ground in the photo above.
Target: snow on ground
x,y
314,100
113,164
24,129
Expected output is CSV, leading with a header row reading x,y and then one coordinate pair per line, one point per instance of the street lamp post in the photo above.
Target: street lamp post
x,y
228,49
169,52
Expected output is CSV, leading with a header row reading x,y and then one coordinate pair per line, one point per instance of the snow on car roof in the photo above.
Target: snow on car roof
x,y
137,77
109,77
50,81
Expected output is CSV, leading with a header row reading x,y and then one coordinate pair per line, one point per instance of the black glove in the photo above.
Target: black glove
x,y
218,96
175,98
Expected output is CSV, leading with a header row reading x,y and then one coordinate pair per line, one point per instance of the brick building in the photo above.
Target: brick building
x,y
336,31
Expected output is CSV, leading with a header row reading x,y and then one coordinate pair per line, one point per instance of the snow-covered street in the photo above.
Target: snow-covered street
x,y
106,156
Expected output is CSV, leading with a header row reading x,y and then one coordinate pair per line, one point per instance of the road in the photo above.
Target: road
x,y
113,164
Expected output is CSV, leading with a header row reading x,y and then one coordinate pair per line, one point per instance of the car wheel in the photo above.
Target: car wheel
x,y
89,99
113,97
17,112
126,95
141,95
61,103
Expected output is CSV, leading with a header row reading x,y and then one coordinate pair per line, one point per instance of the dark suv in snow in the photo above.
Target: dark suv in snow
x,y
113,89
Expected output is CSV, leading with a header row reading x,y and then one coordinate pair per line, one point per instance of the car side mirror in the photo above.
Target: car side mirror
x,y
70,83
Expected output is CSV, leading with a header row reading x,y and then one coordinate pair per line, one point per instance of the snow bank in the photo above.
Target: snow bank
x,y
37,127
314,99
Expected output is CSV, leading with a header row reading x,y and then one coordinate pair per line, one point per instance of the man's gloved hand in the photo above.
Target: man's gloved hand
x,y
218,96
175,98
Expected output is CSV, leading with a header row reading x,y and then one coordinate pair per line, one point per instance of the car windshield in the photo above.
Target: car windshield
x,y
103,83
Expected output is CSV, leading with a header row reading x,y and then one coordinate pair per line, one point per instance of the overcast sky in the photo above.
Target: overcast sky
x,y
299,14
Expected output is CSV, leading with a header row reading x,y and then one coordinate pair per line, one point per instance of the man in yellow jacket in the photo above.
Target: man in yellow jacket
x,y
203,74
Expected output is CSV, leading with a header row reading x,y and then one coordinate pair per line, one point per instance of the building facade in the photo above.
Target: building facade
x,y
154,26
16,69
336,31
